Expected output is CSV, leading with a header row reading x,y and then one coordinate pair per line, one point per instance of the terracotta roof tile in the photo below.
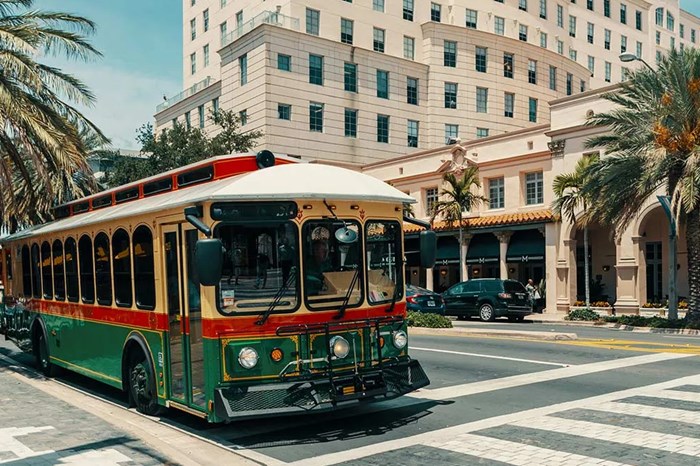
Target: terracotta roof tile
x,y
534,216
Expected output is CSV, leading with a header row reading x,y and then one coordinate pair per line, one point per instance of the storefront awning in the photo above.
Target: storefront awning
x,y
483,248
447,250
526,246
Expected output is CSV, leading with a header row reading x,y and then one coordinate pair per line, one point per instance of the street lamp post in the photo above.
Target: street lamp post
x,y
665,202
629,57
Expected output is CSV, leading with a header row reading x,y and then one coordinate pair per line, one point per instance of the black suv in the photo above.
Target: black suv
x,y
488,298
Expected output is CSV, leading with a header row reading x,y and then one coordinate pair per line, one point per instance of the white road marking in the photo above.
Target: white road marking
x,y
654,412
456,391
109,457
8,442
454,431
488,356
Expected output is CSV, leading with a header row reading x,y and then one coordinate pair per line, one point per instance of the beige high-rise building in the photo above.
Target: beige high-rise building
x,y
367,80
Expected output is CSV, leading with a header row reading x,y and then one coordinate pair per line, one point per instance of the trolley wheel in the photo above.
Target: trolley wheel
x,y
486,313
43,360
142,385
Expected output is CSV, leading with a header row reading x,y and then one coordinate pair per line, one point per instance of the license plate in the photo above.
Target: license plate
x,y
431,303
520,295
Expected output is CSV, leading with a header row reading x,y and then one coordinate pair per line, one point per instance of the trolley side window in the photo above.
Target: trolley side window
x,y
36,271
59,283
122,268
143,268
384,257
71,270
103,272
26,272
87,274
47,279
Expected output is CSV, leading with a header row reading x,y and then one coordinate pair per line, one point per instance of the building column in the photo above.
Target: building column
x,y
640,253
566,276
626,281
463,249
503,240
551,240
429,279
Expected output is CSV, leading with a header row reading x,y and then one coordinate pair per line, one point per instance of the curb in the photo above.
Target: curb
x,y
517,334
621,327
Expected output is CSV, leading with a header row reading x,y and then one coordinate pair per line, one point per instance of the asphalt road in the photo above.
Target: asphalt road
x,y
499,389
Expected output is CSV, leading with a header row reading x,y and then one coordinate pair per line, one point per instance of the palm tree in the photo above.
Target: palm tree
x,y
570,200
40,134
456,198
653,145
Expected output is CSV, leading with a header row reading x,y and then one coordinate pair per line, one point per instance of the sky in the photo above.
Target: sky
x,y
141,43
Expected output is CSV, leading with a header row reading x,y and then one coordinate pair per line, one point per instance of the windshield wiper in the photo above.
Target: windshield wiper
x,y
346,299
277,299
393,299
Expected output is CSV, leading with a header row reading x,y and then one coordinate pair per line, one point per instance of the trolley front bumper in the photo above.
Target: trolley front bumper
x,y
322,394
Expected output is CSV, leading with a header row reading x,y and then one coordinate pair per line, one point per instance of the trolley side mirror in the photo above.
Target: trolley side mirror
x,y
428,249
209,257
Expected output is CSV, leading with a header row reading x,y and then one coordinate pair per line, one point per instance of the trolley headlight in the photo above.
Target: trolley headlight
x,y
339,347
400,339
248,357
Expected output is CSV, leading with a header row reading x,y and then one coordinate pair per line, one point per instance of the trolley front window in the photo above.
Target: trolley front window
x,y
384,277
260,269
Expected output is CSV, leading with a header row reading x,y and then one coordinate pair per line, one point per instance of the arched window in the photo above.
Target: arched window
x,y
87,274
36,271
26,272
103,272
143,268
59,284
46,278
71,270
121,262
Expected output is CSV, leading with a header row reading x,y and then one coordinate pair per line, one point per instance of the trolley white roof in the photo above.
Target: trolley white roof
x,y
280,182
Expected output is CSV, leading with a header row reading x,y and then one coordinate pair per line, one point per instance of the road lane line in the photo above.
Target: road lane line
x,y
472,388
488,356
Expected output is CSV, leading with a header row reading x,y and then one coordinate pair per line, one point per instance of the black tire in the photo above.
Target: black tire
x,y
516,318
42,356
487,313
142,385
462,317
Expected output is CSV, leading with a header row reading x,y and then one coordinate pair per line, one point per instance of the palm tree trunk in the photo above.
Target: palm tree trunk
x,y
461,256
585,266
693,244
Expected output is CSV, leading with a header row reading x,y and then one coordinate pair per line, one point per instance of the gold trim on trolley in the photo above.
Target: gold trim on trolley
x,y
225,341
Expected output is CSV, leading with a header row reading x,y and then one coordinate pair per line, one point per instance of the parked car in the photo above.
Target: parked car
x,y
422,300
488,298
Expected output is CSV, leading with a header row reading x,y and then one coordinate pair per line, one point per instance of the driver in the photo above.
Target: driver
x,y
316,265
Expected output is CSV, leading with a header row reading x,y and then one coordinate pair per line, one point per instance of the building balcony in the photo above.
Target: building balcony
x,y
193,89
266,17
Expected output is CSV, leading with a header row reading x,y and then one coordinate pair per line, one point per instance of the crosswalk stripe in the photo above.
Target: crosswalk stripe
x,y
515,453
654,412
640,438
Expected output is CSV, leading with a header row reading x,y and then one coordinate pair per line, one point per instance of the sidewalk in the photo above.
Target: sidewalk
x,y
558,318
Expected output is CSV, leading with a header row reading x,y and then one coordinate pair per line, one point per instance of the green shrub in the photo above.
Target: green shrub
x,y
424,319
582,314
653,322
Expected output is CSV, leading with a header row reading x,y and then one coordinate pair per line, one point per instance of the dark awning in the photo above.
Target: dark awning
x,y
526,246
483,248
412,252
447,250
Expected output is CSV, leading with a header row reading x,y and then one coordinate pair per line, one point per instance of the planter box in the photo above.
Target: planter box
x,y
659,311
601,311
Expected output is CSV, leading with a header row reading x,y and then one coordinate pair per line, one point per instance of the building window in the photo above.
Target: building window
x,y
522,33
623,13
451,133
383,84
239,19
522,5
573,54
193,63
450,95
496,193
534,192
509,104
205,18
481,59
205,52
607,39
681,30
508,65
543,40
499,26
408,10
590,28
316,69
638,20
639,49
431,198
670,21
591,64
606,8
378,5
215,105
409,46
552,77
223,29
449,54
383,128
243,117
658,38
471,18
313,21
350,77
560,16
412,91
378,40
284,111
243,65
193,28
482,133
316,117
482,99
659,16
608,71
560,47
435,12
412,129
532,110
692,37
532,71
583,86
543,9
200,114
572,26
188,121
346,30
350,123
623,44
589,4
284,62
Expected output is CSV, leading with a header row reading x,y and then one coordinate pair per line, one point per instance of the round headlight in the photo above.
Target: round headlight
x,y
248,357
400,339
339,347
